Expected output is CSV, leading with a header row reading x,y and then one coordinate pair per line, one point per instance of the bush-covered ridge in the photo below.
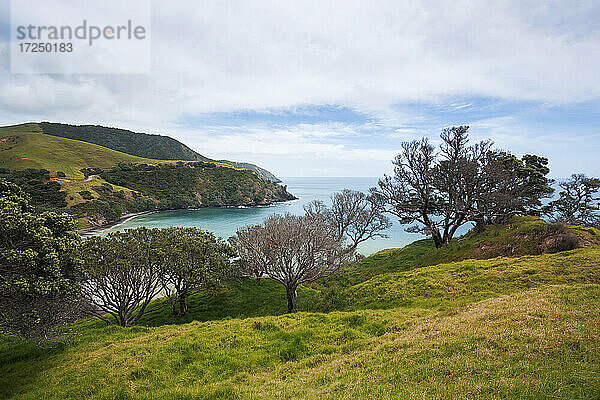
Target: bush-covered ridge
x,y
196,185
108,194
60,172
137,144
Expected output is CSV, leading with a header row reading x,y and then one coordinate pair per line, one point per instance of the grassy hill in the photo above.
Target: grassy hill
x,y
536,343
99,184
521,327
25,146
141,144
138,144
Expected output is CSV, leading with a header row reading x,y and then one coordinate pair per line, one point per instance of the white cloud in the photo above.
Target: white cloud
x,y
211,56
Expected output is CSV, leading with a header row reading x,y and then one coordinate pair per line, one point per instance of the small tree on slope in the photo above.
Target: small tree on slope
x,y
578,202
299,249
194,261
122,275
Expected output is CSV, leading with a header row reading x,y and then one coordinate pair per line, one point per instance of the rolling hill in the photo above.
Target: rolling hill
x,y
25,146
99,184
521,327
140,144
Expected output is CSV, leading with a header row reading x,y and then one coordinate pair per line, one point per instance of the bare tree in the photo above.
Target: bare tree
x,y
249,244
355,215
409,194
458,179
293,250
122,275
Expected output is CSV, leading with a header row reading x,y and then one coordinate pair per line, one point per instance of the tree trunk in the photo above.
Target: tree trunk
x,y
479,225
122,321
437,238
289,293
258,280
435,232
457,224
183,308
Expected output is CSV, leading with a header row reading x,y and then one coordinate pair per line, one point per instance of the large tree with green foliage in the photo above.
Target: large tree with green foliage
x,y
38,266
511,186
122,274
438,191
193,260
578,202
125,272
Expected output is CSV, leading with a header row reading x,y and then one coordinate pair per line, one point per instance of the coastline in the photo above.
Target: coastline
x,y
99,229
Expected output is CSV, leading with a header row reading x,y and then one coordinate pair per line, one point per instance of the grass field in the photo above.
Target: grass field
x,y
501,328
73,188
25,147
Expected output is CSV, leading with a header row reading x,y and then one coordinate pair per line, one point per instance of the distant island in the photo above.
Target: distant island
x,y
101,174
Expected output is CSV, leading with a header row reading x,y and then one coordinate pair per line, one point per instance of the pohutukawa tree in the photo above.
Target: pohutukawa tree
x,y
192,261
38,267
122,274
511,186
293,250
578,202
437,192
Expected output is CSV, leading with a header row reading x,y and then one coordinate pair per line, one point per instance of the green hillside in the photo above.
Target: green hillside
x,y
99,185
140,144
25,146
510,327
196,184
533,343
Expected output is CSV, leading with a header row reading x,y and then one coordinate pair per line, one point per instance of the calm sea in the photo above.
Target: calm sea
x,y
225,221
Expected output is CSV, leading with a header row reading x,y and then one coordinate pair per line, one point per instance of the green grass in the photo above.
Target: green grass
x,y
74,187
541,343
24,146
416,322
501,328
522,236
468,281
240,300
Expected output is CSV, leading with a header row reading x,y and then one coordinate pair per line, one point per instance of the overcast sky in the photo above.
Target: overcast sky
x,y
318,88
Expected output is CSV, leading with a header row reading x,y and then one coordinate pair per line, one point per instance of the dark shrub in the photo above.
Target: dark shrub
x,y
86,194
561,242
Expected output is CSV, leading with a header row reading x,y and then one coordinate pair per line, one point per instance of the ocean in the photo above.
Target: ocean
x,y
225,221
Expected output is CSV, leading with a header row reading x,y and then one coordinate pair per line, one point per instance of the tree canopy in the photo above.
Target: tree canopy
x,y
438,191
193,260
578,202
38,266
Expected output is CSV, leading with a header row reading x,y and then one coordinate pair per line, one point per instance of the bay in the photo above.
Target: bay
x,y
224,221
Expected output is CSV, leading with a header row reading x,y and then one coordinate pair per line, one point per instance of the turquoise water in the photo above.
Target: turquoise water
x,y
225,221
